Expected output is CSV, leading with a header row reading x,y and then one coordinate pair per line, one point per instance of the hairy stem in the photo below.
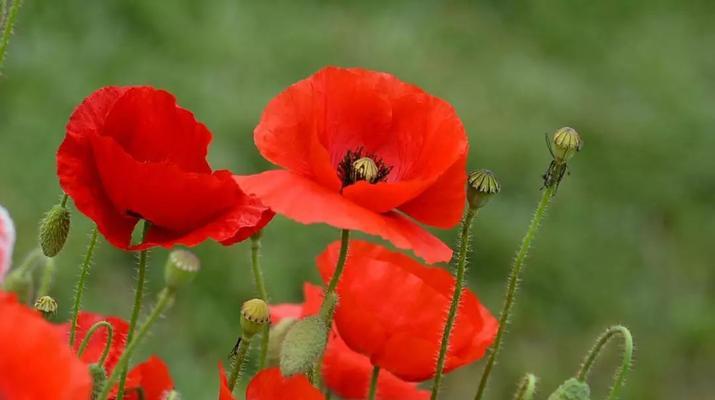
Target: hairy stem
x,y
8,25
622,371
88,337
261,287
79,287
526,388
238,362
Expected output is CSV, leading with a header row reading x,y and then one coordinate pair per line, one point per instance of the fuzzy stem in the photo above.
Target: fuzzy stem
x,y
464,241
238,362
526,388
513,285
79,287
90,333
7,28
373,382
47,275
166,296
592,355
261,287
63,203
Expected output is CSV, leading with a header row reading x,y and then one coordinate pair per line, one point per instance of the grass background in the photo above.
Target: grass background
x,y
629,239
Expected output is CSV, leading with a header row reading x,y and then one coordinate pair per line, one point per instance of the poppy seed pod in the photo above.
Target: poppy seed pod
x,y
482,185
566,143
54,229
365,169
254,315
46,305
572,389
181,268
303,344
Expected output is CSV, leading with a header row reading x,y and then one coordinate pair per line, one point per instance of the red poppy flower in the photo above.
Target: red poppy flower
x,y
132,153
7,242
149,380
36,363
269,384
362,150
346,372
393,309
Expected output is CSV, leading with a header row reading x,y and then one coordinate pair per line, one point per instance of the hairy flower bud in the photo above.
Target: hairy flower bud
x,y
572,389
275,341
99,379
46,305
21,284
566,142
181,268
303,344
254,316
482,185
54,229
365,169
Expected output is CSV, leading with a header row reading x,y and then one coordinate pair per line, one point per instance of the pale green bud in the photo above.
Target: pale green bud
x,y
572,389
566,143
54,229
181,268
275,340
302,346
482,185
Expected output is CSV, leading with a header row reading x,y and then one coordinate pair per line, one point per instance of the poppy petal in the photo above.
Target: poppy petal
x,y
224,393
269,384
152,379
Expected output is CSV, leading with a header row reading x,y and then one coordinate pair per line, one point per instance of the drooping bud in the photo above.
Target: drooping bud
x,y
46,305
54,229
365,169
482,185
572,389
275,341
566,142
181,268
99,379
254,316
303,344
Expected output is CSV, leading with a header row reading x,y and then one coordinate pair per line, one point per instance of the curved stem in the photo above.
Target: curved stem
x,y
238,362
526,388
7,28
464,241
513,285
592,355
261,287
88,337
166,296
344,244
79,287
373,382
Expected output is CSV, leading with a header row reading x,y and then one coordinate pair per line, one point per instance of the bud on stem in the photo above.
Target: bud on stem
x,y
54,229
303,345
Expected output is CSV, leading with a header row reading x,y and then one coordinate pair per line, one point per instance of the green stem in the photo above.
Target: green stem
x,y
238,362
333,284
261,287
138,297
513,285
79,287
107,344
592,355
64,200
166,296
464,241
7,28
47,275
373,382
526,388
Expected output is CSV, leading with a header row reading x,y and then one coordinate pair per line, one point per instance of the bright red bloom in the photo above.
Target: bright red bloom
x,y
36,363
149,380
131,153
269,384
316,130
7,242
345,372
393,309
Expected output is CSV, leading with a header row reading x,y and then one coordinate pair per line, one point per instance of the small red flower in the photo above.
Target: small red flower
x,y
149,380
7,242
345,372
393,309
36,363
269,384
132,153
322,130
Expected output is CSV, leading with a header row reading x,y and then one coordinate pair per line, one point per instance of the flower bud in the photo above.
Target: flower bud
x,y
181,268
99,379
275,341
46,305
254,316
566,143
21,284
303,344
572,389
365,169
54,229
171,395
482,185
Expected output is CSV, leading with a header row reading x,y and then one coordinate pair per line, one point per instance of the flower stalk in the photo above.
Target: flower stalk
x,y
7,28
238,361
600,344
107,344
262,292
373,383
79,287
526,388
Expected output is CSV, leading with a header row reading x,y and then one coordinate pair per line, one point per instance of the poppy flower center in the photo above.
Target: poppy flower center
x,y
356,166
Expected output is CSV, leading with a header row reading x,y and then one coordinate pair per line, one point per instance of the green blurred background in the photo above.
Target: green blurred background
x,y
628,240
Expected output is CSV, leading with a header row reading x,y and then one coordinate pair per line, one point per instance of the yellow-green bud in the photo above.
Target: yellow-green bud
x,y
482,185
566,143
303,344
172,395
54,229
275,341
181,268
99,379
572,389
46,305
365,169
254,316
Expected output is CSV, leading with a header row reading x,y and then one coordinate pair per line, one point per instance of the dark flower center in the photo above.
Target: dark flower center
x,y
357,166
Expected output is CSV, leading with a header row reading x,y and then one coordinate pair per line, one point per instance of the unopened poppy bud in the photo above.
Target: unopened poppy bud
x,y
54,229
482,185
254,316
171,395
181,268
99,379
566,143
365,169
19,283
46,305
275,340
572,389
303,344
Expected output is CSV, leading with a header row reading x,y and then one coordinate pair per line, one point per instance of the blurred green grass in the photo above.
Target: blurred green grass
x,y
629,239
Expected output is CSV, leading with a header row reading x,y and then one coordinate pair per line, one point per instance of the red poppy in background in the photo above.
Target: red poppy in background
x,y
393,309
7,242
132,153
36,363
149,380
322,130
346,372
269,384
